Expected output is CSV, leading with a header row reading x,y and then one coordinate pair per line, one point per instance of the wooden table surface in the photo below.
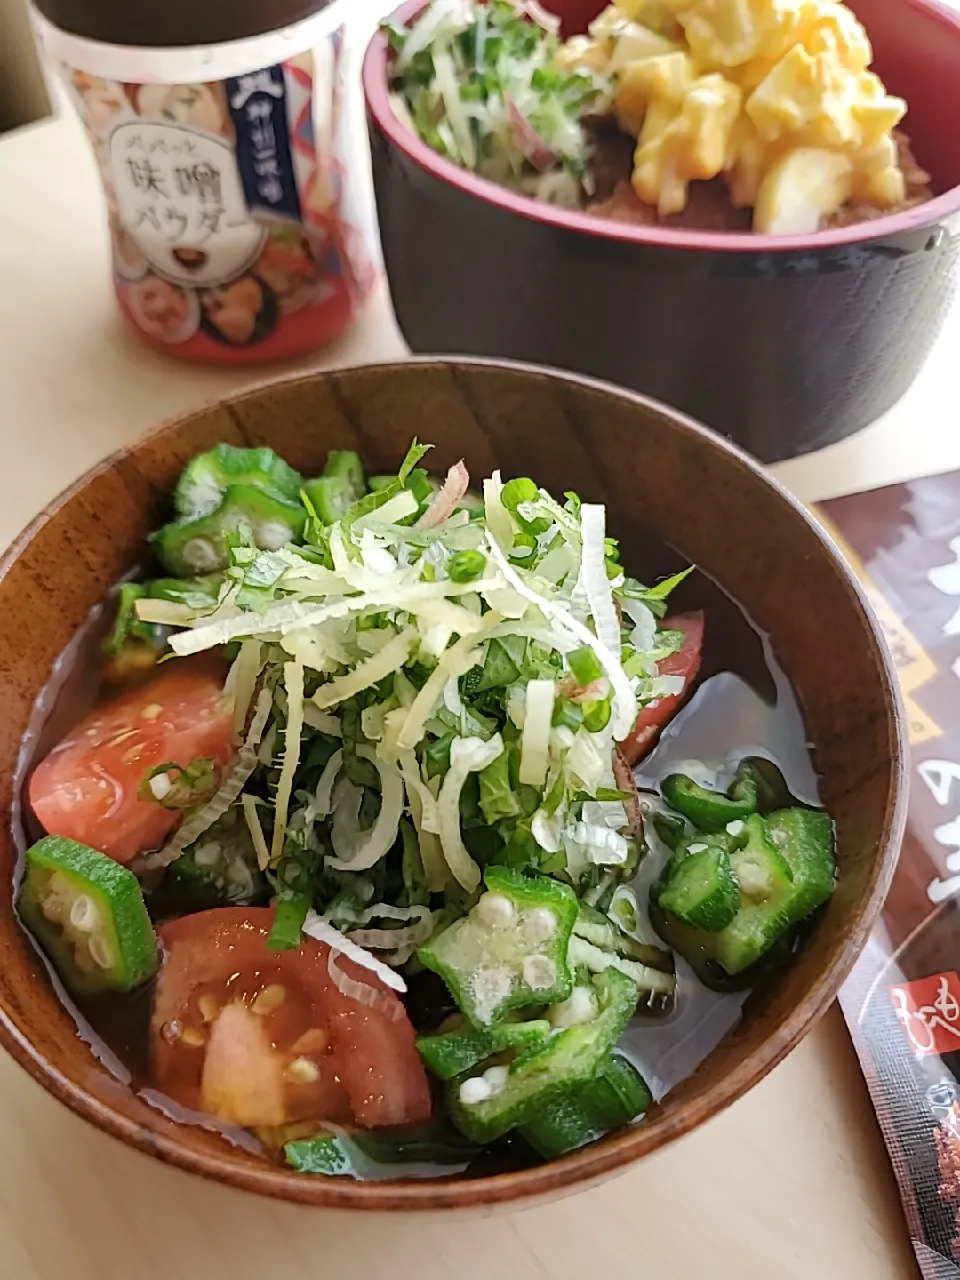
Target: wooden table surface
x,y
791,1183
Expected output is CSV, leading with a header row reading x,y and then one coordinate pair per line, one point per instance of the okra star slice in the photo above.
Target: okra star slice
x,y
88,914
193,547
453,1052
206,479
511,950
702,890
330,497
345,464
486,1106
785,871
708,810
614,1097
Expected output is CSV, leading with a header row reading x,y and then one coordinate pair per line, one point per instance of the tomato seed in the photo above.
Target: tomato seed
x,y
269,999
303,1071
208,1006
314,1040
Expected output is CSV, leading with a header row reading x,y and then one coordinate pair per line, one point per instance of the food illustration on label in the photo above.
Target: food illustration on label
x,y
230,216
197,105
241,312
163,310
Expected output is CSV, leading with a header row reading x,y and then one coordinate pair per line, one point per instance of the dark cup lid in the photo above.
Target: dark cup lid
x,y
174,23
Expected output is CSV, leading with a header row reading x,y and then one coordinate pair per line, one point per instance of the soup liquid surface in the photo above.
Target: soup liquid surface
x,y
743,705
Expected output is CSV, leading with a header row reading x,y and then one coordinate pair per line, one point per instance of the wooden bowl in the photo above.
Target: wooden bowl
x,y
659,474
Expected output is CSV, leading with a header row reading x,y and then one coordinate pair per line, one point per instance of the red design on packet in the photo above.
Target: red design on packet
x,y
929,1012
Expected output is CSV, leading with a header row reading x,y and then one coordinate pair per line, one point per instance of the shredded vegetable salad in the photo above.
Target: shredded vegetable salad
x,y
454,669
404,714
479,84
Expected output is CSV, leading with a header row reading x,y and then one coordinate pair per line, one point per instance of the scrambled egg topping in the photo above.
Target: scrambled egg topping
x,y
776,95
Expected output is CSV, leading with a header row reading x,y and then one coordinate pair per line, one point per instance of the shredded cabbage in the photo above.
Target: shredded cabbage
x,y
478,83
391,658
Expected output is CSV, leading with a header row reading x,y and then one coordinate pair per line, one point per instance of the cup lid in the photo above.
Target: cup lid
x,y
172,23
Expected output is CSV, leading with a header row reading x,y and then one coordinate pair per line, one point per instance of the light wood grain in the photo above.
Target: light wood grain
x,y
792,1182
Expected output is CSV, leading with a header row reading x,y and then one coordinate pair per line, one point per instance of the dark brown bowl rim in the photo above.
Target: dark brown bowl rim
x,y
377,97
608,1155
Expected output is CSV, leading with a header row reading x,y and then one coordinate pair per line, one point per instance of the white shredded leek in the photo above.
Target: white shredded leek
x,y
165,613
289,615
467,755
382,911
498,519
256,830
548,831
393,939
666,686
345,830
243,766
426,819
593,576
381,836
535,735
292,738
390,939
596,960
324,932
644,635
624,699
371,671
323,804
410,771
322,722
603,846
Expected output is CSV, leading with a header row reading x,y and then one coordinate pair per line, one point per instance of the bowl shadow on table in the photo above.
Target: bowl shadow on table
x,y
657,473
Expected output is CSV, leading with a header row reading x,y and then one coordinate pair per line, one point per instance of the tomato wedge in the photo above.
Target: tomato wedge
x,y
86,788
654,718
265,1038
